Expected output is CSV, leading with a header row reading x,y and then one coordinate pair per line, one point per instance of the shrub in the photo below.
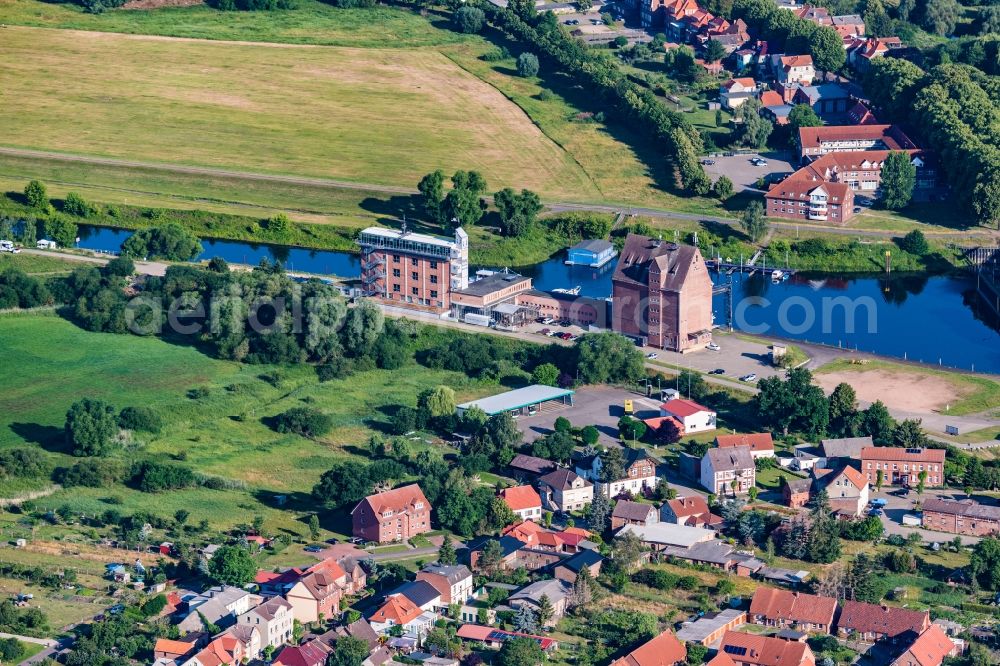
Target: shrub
x,y
469,19
404,420
151,477
337,367
25,463
304,421
94,473
36,194
140,418
171,242
74,204
496,55
527,65
915,243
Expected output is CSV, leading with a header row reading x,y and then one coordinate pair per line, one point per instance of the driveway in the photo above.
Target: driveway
x,y
744,174
897,506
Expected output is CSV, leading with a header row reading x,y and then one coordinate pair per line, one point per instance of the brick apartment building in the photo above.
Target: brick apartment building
x,y
662,294
966,517
413,270
816,141
772,607
902,467
395,515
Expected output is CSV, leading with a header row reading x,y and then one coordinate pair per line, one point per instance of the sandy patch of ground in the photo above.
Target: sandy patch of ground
x,y
907,391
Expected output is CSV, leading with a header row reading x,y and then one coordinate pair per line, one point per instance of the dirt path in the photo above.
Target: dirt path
x,y
27,497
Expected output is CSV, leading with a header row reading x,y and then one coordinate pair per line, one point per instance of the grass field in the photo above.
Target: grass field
x,y
34,264
382,116
58,363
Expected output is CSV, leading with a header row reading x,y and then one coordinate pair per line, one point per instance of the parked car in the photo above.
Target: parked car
x,y
565,322
708,162
857,209
313,549
545,331
749,378
875,512
713,346
356,540
651,355
878,502
717,371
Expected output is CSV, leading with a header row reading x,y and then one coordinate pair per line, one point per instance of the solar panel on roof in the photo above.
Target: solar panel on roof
x,y
736,649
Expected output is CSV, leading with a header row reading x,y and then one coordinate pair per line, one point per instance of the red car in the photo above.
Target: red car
x,y
545,331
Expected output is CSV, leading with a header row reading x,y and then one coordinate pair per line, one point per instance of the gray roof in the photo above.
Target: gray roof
x,y
420,592
584,558
784,575
668,534
703,627
632,510
268,609
825,91
452,573
562,479
967,507
640,252
596,245
522,397
556,590
730,458
714,552
487,285
532,464
845,447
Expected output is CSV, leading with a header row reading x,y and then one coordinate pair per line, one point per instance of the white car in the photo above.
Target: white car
x,y
713,346
651,355
749,378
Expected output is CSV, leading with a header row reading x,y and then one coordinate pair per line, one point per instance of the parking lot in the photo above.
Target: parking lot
x,y
744,174
898,505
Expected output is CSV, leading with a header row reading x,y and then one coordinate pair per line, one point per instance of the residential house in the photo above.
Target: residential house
x,y
271,583
564,491
772,607
523,501
721,659
903,467
273,619
250,638
796,492
761,444
318,592
222,651
967,517
694,417
494,639
842,450
728,471
796,69
846,487
711,627
219,606
395,515
400,611
849,26
663,535
817,15
510,548
558,592
633,513
640,473
173,650
828,100
663,650
930,649
692,510
571,567
774,107
662,294
861,52
734,92
424,596
816,141
531,466
453,582
362,630
754,650
860,114
313,653
870,623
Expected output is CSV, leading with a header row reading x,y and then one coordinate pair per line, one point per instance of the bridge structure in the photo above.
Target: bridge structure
x,y
985,261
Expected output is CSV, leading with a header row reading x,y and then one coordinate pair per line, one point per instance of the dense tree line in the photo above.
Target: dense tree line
x,y
20,290
170,242
600,76
952,109
787,33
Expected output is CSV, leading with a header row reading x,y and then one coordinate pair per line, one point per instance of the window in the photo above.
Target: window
x,y
413,261
434,279
434,294
414,291
395,272
434,264
395,258
414,275
395,288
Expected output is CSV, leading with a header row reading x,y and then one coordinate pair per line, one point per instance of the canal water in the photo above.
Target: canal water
x,y
934,319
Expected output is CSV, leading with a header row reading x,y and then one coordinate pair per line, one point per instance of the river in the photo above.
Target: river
x,y
936,319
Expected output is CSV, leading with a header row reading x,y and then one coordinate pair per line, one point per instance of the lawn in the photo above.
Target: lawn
x,y
35,264
221,435
381,116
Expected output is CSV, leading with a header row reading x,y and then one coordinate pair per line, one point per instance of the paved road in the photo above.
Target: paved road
x,y
391,189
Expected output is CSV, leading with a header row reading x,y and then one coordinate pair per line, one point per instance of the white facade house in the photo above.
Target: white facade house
x,y
640,474
274,620
692,416
728,471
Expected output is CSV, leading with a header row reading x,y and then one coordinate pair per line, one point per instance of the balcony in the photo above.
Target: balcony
x,y
819,216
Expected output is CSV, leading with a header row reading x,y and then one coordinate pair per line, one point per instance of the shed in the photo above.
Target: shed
x,y
520,401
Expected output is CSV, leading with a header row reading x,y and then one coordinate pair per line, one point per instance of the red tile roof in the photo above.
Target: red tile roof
x,y
770,98
519,498
170,647
477,632
766,651
798,607
890,621
760,441
313,653
397,499
397,609
796,61
794,188
745,81
890,135
930,649
891,453
721,659
681,407
664,650
855,477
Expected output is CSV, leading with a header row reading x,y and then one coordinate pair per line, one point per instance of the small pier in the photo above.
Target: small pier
x,y
729,267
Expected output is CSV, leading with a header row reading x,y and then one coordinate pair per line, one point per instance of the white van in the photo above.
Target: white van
x,y
46,244
8,246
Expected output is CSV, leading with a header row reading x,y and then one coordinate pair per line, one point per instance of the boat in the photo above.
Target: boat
x,y
575,291
777,276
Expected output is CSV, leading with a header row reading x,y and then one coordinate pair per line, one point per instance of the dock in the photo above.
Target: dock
x,y
732,267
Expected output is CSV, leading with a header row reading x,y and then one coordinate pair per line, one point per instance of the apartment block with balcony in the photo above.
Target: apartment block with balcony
x,y
810,200
410,270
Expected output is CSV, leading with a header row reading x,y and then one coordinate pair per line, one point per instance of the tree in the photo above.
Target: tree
x,y
525,620
630,428
438,401
842,406
446,553
598,512
753,492
681,63
603,358
583,588
76,205
879,480
941,16
879,424
91,426
562,424
824,540
899,176
714,51
877,21
171,242
361,329
754,129
500,514
314,527
545,610
590,435
545,373
696,653
753,221
520,651
306,421
232,565
827,49
985,562
470,19
801,115
346,483
349,651
463,202
723,188
517,211
669,432
431,187
922,482
527,65
140,418
181,516
915,242
60,229
36,195
278,224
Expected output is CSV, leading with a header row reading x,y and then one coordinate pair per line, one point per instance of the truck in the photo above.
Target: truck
x,y
8,246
